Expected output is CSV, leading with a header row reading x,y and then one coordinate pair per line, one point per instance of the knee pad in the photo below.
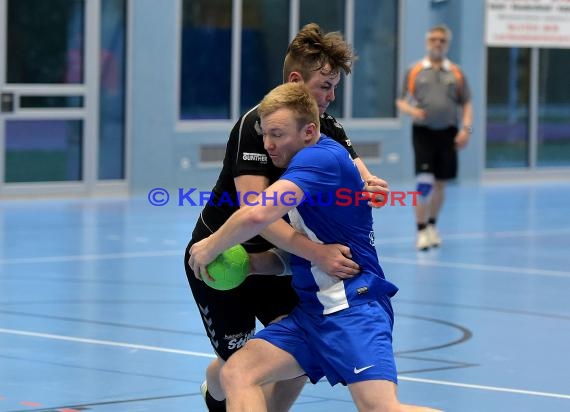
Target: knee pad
x,y
424,185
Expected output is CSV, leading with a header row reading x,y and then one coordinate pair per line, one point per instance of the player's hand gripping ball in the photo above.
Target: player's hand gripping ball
x,y
229,269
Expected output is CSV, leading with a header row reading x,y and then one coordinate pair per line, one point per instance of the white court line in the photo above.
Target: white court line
x,y
486,388
474,266
420,262
104,256
106,343
211,356
481,235
393,240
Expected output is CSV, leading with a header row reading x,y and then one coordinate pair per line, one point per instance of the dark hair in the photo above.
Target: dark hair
x,y
311,50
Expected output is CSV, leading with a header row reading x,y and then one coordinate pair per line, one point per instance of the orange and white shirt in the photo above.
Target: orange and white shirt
x,y
440,92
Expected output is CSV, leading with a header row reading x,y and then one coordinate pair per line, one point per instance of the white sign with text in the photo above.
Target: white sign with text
x,y
528,23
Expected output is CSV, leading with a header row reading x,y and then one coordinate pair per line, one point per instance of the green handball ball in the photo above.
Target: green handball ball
x,y
229,269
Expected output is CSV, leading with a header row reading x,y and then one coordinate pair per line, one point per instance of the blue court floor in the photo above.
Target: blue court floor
x,y
96,315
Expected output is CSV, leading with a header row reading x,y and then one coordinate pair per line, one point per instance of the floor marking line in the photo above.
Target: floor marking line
x,y
106,343
391,240
486,388
162,253
211,356
102,403
104,256
475,266
481,235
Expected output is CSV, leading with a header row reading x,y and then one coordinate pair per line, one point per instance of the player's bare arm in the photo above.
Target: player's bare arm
x,y
246,223
464,133
333,259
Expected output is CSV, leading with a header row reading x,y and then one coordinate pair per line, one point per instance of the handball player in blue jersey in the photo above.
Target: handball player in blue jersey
x,y
319,60
341,327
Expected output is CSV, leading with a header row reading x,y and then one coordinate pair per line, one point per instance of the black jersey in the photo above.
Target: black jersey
x,y
245,155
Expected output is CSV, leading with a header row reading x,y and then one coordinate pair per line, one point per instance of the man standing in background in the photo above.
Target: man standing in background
x,y
436,95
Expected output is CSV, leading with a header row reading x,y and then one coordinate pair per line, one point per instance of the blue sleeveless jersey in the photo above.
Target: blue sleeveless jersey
x,y
334,212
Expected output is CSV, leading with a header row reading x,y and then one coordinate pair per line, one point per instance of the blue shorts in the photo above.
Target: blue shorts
x,y
348,346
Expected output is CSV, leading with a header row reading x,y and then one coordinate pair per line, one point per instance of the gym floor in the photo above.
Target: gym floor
x,y
96,314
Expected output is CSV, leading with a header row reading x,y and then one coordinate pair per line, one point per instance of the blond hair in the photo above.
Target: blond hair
x,y
295,97
312,50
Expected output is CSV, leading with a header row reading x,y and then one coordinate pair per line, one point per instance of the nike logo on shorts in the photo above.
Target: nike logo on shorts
x,y
358,370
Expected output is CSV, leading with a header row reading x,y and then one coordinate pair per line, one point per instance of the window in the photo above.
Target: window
x,y
508,107
206,59
265,36
112,90
527,108
210,67
43,151
375,75
45,43
330,18
553,148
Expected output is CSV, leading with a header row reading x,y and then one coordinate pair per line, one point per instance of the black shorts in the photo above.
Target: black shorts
x,y
229,316
435,152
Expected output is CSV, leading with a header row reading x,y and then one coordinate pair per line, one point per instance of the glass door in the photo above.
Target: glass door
x,y
50,90
553,146
508,105
528,121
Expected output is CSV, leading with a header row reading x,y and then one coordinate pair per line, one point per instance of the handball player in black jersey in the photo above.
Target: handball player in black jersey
x,y
318,60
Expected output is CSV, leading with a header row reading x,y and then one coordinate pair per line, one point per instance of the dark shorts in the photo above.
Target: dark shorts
x,y
435,152
229,316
